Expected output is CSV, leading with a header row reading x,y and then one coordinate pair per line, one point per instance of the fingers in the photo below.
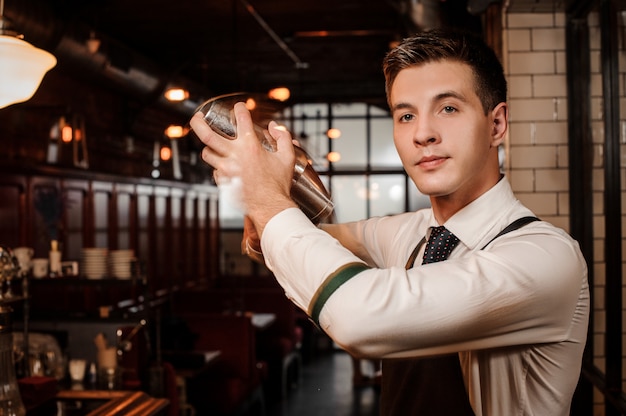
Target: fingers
x,y
200,127
245,127
245,157
221,153
217,177
212,140
283,138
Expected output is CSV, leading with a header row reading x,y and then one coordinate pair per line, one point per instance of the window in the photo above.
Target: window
x,y
366,179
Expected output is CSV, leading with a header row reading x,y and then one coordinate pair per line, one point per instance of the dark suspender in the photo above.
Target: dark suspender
x,y
518,223
432,385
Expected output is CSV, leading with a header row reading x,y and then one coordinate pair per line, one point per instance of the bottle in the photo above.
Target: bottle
x,y
55,259
10,400
93,374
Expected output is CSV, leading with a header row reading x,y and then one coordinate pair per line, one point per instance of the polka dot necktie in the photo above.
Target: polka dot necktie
x,y
439,246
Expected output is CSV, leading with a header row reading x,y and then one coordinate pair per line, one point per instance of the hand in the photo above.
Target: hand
x,y
251,243
250,236
265,176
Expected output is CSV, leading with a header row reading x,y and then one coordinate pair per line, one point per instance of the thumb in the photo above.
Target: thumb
x,y
282,137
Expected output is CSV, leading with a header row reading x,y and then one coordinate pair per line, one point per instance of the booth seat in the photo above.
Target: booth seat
x,y
278,344
232,385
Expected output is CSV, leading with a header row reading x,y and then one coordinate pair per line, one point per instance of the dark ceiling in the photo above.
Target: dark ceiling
x,y
323,50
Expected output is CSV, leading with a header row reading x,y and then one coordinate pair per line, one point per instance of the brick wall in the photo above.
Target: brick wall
x,y
537,163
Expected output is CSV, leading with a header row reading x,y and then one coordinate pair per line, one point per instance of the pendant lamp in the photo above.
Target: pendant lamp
x,y
22,66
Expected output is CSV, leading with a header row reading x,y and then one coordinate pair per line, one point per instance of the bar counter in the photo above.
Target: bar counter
x,y
64,401
130,403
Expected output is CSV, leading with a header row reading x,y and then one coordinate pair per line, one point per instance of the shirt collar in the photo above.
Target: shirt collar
x,y
476,220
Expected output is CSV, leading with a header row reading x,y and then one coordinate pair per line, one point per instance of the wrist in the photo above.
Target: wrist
x,y
252,250
261,215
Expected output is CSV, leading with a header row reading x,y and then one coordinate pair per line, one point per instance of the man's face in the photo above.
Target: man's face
x,y
447,144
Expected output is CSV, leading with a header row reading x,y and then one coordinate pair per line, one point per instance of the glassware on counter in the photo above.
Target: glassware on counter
x,y
43,357
11,403
9,269
24,257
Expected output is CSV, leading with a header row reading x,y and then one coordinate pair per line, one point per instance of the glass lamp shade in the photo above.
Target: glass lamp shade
x,y
22,67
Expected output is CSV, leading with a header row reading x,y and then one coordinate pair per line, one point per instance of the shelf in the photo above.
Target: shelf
x,y
83,281
13,300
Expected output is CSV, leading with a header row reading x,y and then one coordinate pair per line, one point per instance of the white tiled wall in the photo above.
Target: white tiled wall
x,y
534,60
536,147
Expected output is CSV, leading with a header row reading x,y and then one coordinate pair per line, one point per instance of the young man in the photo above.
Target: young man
x,y
504,320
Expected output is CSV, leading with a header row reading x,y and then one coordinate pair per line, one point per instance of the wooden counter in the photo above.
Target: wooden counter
x,y
128,403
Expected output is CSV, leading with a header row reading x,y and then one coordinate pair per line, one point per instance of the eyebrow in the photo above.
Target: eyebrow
x,y
450,94
401,106
436,98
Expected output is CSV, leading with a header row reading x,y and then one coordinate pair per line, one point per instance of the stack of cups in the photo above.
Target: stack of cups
x,y
94,264
120,263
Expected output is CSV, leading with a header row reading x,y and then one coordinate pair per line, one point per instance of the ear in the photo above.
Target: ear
x,y
500,116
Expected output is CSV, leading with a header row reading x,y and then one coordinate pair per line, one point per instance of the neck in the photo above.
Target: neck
x,y
445,206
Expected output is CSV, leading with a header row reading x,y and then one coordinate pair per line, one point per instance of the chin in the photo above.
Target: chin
x,y
438,183
431,189
429,192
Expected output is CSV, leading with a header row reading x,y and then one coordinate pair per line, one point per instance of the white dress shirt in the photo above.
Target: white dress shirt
x,y
516,312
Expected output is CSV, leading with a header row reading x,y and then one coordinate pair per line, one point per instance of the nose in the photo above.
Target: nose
x,y
425,132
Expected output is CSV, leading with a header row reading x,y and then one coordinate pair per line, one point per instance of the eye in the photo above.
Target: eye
x,y
406,118
449,109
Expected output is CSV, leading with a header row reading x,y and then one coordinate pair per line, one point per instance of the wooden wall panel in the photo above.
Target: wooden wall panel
x,y
213,246
171,227
13,230
48,216
124,207
74,238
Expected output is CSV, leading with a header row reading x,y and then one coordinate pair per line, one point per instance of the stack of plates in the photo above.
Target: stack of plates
x,y
120,263
93,262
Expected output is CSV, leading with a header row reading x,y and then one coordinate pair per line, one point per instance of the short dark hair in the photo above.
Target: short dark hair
x,y
441,44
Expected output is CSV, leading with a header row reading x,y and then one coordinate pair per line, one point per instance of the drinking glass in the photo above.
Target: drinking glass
x,y
77,369
24,257
9,268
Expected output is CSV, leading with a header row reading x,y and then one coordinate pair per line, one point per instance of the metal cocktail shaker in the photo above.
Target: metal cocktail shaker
x,y
307,189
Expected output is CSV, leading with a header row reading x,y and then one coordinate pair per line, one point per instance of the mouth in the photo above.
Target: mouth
x,y
429,162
